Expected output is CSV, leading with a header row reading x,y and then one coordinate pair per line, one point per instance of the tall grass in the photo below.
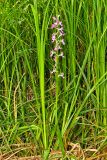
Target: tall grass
x,y
42,114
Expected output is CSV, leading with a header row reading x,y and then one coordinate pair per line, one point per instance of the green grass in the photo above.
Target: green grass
x,y
40,114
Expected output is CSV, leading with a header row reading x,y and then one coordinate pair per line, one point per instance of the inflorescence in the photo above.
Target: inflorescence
x,y
57,41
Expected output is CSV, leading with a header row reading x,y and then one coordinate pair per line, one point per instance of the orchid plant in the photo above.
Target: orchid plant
x,y
58,42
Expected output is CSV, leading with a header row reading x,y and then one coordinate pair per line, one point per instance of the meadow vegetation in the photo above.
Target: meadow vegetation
x,y
45,113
